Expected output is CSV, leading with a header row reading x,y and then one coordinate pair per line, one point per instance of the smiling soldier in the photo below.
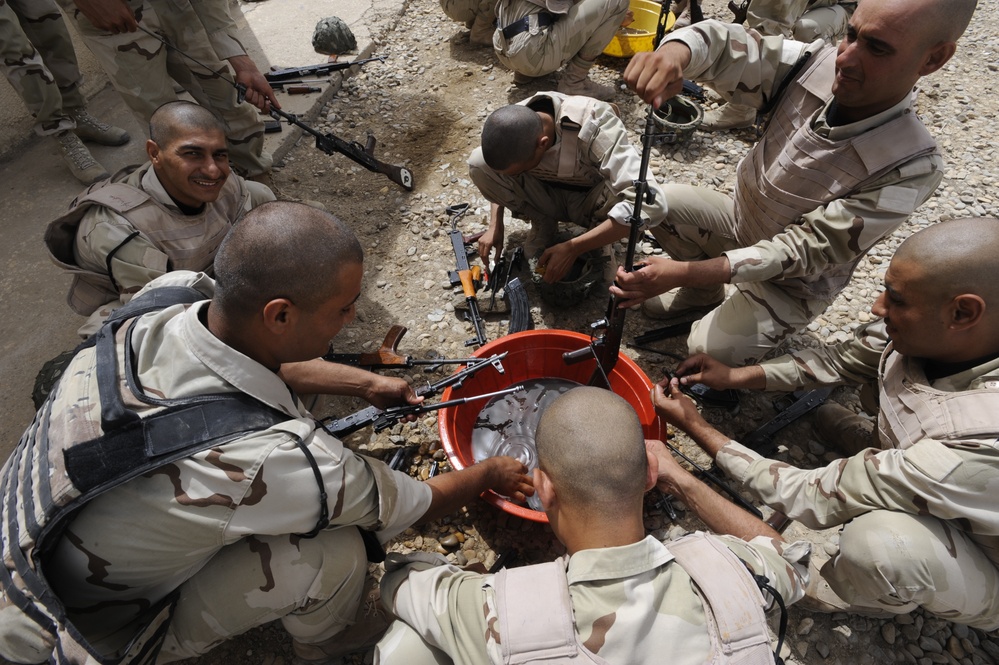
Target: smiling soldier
x,y
168,214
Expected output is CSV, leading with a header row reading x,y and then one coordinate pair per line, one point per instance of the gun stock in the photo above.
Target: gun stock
x,y
467,276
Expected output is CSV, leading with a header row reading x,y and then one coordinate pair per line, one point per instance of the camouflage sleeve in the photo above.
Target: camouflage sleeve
x,y
842,231
928,478
221,28
739,64
134,264
451,609
854,361
784,564
620,164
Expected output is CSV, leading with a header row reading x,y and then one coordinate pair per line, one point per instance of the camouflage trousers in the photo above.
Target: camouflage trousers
x,y
754,319
401,645
40,63
143,70
313,585
897,562
578,36
543,204
804,20
466,11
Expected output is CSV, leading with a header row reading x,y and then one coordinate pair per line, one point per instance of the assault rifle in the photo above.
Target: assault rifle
x,y
288,73
328,143
762,438
606,348
383,418
466,276
388,356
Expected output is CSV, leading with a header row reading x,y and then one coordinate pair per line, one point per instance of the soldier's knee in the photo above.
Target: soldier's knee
x,y
339,563
403,645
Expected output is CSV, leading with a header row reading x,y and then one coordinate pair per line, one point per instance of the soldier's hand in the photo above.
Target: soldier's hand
x,y
508,476
386,391
258,90
557,261
673,406
702,368
658,75
113,16
656,276
491,239
670,472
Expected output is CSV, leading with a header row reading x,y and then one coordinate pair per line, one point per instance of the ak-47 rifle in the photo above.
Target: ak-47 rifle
x,y
466,276
382,418
387,356
288,73
606,348
329,143
762,440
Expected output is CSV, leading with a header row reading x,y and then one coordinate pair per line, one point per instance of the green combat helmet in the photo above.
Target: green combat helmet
x,y
586,273
332,36
677,119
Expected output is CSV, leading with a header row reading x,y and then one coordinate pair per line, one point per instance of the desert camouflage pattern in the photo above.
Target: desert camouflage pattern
x,y
582,31
143,70
612,589
219,525
585,178
790,249
467,11
921,528
804,20
853,362
37,57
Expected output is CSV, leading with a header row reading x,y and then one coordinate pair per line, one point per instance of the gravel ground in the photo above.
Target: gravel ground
x,y
426,106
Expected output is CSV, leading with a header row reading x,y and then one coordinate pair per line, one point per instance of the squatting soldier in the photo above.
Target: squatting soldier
x,y
479,16
40,63
537,37
920,522
554,158
803,20
618,596
169,214
227,506
843,162
143,70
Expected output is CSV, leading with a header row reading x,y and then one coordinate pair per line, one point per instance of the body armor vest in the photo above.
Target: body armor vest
x,y
536,619
188,241
792,170
45,482
563,163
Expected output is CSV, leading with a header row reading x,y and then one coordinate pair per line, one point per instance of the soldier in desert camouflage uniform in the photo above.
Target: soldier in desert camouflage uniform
x,y
633,600
479,16
37,56
263,525
537,37
143,70
920,522
168,214
842,163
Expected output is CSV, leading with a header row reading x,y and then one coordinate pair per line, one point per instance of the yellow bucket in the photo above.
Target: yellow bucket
x,y
639,35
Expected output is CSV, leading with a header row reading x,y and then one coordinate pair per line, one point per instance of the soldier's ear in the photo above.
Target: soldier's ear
x,y
153,151
966,310
544,489
279,315
652,472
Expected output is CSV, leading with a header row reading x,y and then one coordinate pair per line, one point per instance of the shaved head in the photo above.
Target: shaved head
x,y
173,119
282,250
510,136
940,20
957,256
590,443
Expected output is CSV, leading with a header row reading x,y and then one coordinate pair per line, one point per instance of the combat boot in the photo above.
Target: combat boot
x,y
842,429
482,30
728,116
370,624
90,128
683,302
576,81
681,10
81,163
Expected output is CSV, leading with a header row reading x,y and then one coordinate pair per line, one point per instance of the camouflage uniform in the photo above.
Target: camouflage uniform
x,y
586,177
920,525
40,63
582,31
143,70
804,20
811,199
631,604
154,236
467,11
218,525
